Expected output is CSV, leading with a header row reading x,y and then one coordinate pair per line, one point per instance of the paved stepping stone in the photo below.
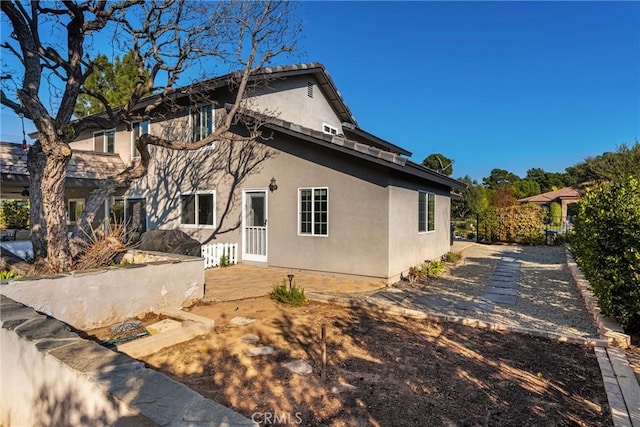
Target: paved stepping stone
x,y
502,279
499,299
501,291
241,321
250,338
259,351
501,284
165,325
393,296
298,366
474,305
431,301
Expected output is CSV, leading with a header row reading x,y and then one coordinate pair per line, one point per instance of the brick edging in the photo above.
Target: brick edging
x,y
609,329
437,317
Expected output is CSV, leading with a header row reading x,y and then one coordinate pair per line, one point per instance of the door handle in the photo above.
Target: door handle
x,y
265,223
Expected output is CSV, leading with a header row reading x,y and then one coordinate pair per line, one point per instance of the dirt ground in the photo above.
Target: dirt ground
x,y
385,371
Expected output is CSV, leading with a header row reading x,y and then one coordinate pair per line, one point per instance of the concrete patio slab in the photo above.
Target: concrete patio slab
x,y
245,281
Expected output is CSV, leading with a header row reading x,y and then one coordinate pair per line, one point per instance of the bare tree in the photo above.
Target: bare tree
x,y
53,44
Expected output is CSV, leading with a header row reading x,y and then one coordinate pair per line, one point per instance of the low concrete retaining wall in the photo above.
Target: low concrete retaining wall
x,y
608,328
51,376
95,298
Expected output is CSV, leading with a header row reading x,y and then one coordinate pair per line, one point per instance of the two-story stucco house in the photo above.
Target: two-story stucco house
x,y
315,192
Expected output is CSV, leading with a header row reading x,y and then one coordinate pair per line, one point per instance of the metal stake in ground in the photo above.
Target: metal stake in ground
x,y
323,372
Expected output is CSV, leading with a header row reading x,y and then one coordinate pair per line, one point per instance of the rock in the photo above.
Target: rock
x,y
259,351
126,326
241,321
169,241
298,366
342,387
250,338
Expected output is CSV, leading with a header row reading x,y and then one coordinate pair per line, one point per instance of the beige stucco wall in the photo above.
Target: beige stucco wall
x,y
123,142
287,99
408,247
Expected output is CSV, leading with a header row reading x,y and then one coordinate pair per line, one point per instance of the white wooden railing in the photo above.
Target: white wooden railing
x,y
214,251
256,240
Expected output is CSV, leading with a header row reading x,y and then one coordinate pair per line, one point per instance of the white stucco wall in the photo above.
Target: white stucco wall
x,y
96,298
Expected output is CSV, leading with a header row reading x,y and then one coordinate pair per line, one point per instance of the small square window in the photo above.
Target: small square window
x,y
197,209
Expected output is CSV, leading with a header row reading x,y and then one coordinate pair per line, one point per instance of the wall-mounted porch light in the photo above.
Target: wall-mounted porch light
x,y
273,186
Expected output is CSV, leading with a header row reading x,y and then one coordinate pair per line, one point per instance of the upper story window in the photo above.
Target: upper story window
x,y
202,121
105,141
198,209
426,212
314,211
139,129
331,130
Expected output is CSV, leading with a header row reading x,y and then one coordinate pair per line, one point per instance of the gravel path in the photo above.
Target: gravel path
x,y
547,298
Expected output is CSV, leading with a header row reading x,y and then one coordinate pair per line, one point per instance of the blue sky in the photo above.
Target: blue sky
x,y
510,85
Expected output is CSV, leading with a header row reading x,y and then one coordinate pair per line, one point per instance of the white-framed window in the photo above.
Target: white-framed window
x,y
75,208
313,214
138,129
331,130
105,141
202,122
426,212
198,209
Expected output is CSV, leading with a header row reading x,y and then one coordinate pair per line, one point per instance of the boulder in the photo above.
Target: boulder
x,y
169,241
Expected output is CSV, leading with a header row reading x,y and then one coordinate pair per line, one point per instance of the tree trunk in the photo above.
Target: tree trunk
x,y
35,166
48,170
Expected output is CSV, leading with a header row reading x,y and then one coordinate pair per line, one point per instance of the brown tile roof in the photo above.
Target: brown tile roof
x,y
550,196
85,165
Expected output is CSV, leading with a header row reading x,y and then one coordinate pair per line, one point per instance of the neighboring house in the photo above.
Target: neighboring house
x,y
566,197
315,192
84,172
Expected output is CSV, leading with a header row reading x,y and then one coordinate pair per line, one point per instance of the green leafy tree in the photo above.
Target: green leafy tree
x,y
606,244
548,181
440,163
500,178
555,213
14,214
608,167
525,188
475,199
114,81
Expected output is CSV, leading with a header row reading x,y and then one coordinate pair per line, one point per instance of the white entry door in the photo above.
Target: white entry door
x,y
254,225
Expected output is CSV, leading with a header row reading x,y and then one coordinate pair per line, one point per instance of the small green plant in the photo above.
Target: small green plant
x,y
452,257
429,269
225,261
9,274
435,268
294,296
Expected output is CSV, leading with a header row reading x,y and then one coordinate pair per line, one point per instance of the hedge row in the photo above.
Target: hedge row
x,y
606,245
